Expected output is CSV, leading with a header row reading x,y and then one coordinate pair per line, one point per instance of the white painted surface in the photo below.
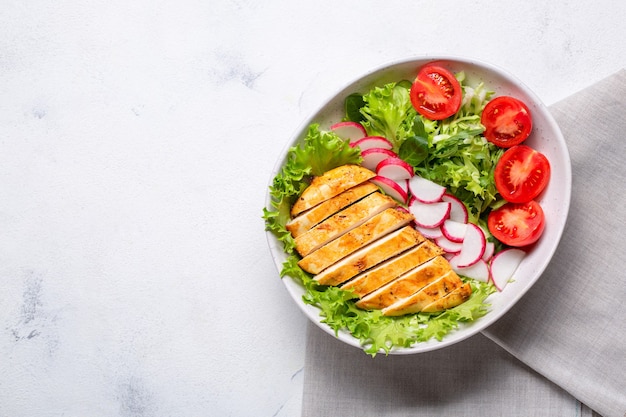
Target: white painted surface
x,y
136,142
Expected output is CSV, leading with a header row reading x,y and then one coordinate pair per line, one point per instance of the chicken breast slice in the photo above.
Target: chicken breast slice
x,y
430,293
453,299
330,184
322,211
389,270
406,285
378,226
343,221
385,248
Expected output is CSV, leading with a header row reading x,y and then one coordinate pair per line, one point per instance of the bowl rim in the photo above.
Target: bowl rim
x,y
296,290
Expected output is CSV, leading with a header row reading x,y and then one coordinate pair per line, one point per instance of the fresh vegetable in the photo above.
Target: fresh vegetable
x,y
503,266
368,142
507,121
473,246
436,93
521,174
348,130
394,168
517,224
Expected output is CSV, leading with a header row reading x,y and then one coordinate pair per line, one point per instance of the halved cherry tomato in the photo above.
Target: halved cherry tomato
x,y
436,93
517,224
521,174
507,121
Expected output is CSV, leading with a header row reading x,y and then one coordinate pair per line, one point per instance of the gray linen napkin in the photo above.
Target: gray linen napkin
x,y
562,345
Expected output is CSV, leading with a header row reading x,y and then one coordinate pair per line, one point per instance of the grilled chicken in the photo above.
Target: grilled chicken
x,y
427,295
330,184
375,228
452,299
406,284
349,234
375,278
342,222
322,211
369,256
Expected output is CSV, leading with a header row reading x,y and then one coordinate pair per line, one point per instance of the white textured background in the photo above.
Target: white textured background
x,y
136,143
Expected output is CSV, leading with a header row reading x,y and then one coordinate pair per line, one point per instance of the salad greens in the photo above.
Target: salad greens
x,y
451,152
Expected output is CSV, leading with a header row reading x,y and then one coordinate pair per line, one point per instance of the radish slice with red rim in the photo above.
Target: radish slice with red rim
x,y
473,246
447,245
453,230
426,190
391,188
369,142
429,214
394,168
479,271
350,131
373,156
458,211
503,266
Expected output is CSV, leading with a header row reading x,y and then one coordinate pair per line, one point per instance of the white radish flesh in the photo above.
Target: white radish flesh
x,y
350,131
429,214
394,168
473,246
490,247
391,188
429,232
453,230
426,190
373,156
369,142
447,245
479,271
503,266
458,211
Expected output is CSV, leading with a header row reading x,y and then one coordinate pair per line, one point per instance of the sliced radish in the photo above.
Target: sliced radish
x,y
391,188
458,211
429,214
369,142
351,131
447,245
426,190
373,156
394,168
503,266
453,230
429,232
473,246
479,271
490,247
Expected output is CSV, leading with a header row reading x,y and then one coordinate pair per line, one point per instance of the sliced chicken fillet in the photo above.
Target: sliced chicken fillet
x,y
371,255
342,222
387,271
330,184
406,285
453,299
322,211
375,228
430,293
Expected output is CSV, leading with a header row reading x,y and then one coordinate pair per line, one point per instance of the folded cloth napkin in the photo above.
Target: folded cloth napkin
x,y
561,351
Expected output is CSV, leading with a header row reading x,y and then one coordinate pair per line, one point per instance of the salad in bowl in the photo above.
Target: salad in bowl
x,y
418,204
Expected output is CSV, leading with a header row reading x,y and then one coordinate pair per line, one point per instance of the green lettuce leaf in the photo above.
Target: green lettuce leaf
x,y
319,152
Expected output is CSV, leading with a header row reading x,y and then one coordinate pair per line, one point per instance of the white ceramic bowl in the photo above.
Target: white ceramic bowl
x,y
545,137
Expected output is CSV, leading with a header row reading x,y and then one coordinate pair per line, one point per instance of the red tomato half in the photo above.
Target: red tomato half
x,y
517,224
521,174
436,93
507,121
